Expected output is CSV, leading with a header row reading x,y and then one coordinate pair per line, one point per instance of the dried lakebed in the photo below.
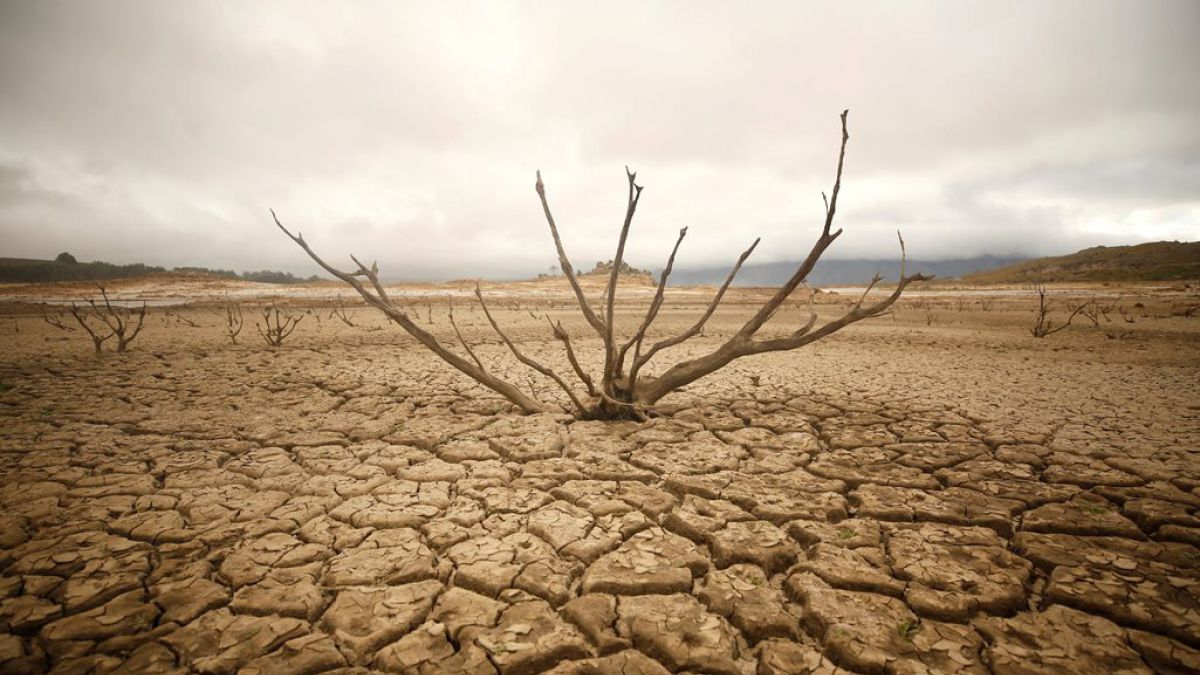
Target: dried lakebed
x,y
334,508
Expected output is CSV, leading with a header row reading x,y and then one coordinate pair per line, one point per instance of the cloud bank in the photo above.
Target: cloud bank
x,y
410,132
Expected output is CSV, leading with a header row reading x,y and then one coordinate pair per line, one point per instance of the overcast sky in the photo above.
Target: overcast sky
x,y
161,132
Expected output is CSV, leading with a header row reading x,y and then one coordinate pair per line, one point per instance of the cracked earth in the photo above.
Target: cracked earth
x,y
901,498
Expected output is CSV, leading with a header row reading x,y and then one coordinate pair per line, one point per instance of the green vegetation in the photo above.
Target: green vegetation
x,y
25,270
1157,261
66,268
907,629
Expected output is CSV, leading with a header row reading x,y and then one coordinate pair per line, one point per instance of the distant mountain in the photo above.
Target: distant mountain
x,y
836,272
1157,261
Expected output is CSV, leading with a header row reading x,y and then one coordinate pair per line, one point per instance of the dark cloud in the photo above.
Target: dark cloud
x,y
161,132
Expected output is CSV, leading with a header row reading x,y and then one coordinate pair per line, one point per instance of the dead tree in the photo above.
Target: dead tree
x,y
1043,325
120,319
96,333
277,325
233,321
339,310
105,321
625,388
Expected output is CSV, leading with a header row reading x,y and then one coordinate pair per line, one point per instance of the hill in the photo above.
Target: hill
x,y
835,272
65,268
1156,261
25,270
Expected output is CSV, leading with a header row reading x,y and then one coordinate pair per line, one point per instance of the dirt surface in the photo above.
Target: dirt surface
x,y
935,491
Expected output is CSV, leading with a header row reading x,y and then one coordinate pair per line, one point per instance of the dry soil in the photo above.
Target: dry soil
x,y
932,491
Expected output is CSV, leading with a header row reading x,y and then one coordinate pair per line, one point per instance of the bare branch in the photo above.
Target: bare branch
x,y
565,264
655,304
744,345
525,359
828,236
107,315
277,325
122,340
381,303
1088,309
651,314
857,313
339,311
56,321
874,280
233,321
699,325
1043,324
116,319
462,340
373,275
80,317
561,334
610,346
180,318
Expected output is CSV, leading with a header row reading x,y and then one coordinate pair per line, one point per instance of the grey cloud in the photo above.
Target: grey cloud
x,y
410,132
1129,182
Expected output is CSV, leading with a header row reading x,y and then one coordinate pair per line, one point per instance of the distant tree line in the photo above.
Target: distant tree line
x,y
273,277
65,267
261,276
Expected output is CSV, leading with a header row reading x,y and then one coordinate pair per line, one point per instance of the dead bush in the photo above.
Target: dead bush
x,y
1044,325
277,325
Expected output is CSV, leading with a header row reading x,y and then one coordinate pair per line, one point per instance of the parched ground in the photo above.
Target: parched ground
x,y
935,491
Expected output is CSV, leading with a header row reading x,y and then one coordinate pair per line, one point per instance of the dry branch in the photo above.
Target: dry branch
x,y
1043,325
339,311
462,340
697,327
561,335
233,321
565,264
96,333
117,319
525,359
56,321
277,325
378,299
179,318
104,321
